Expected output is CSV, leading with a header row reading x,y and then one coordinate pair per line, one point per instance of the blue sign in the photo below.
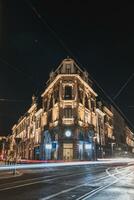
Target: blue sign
x,y
37,151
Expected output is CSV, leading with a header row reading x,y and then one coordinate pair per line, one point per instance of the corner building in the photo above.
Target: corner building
x,y
69,115
72,123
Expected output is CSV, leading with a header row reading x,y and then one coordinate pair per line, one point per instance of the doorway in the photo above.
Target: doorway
x,y
68,152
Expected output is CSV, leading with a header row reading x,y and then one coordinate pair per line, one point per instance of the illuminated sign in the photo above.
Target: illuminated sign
x,y
88,146
48,146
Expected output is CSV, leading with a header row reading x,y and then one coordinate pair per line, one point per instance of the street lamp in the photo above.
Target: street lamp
x,y
112,144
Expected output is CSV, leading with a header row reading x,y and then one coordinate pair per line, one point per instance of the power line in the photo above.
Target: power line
x,y
17,69
14,68
123,87
50,29
14,100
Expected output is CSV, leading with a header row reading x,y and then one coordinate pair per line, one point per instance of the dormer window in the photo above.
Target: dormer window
x,y
68,68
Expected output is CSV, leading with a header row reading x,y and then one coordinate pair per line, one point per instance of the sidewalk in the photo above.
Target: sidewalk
x,y
6,174
10,173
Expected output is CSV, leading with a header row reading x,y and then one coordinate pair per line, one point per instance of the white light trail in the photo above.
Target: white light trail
x,y
64,164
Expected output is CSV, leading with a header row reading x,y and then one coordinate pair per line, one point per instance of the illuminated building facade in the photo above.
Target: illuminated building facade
x,y
70,125
3,151
27,133
69,114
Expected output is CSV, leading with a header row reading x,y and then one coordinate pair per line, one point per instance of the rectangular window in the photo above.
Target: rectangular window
x,y
68,93
45,104
68,69
68,113
93,105
56,96
50,116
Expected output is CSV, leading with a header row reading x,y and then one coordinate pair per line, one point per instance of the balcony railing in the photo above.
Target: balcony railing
x,y
68,121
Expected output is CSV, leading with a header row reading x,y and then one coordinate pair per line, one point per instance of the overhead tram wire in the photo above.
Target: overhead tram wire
x,y
50,29
113,103
124,86
14,100
53,32
12,67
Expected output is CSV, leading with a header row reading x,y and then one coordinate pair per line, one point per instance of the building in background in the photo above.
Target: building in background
x,y
71,124
3,147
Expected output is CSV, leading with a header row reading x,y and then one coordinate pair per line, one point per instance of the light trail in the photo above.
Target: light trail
x,y
64,164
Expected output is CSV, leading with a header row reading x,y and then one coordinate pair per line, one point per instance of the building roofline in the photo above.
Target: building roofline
x,y
66,75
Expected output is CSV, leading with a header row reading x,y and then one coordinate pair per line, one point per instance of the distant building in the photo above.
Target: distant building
x,y
3,152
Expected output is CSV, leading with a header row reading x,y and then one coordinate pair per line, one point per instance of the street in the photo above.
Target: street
x,y
87,181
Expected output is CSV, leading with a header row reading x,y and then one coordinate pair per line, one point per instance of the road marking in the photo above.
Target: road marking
x,y
36,182
37,178
67,190
40,181
73,188
101,188
26,180
61,192
70,189
12,176
26,184
112,175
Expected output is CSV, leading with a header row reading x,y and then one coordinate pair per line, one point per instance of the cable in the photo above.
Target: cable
x,y
14,100
114,104
14,68
123,87
30,77
50,29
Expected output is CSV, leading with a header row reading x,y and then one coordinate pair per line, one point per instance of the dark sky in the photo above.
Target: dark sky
x,y
99,35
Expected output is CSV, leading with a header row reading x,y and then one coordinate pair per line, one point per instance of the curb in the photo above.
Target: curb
x,y
17,174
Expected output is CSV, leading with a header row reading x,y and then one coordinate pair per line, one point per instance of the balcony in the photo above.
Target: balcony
x,y
68,121
53,124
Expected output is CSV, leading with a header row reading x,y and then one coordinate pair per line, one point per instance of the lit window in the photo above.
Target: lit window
x,y
86,102
80,95
68,69
68,93
68,113
56,96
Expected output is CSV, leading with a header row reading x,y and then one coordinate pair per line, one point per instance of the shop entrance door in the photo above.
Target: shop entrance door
x,y
68,152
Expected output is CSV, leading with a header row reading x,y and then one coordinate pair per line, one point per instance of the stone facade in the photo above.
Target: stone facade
x,y
69,125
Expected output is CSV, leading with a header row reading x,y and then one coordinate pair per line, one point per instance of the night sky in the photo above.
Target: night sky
x,y
99,35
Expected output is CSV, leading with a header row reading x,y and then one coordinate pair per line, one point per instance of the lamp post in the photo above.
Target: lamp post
x,y
112,144
95,148
17,141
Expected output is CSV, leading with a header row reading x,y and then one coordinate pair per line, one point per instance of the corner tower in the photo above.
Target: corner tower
x,y
69,120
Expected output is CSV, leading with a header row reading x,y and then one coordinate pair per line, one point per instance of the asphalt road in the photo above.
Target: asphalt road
x,y
96,182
